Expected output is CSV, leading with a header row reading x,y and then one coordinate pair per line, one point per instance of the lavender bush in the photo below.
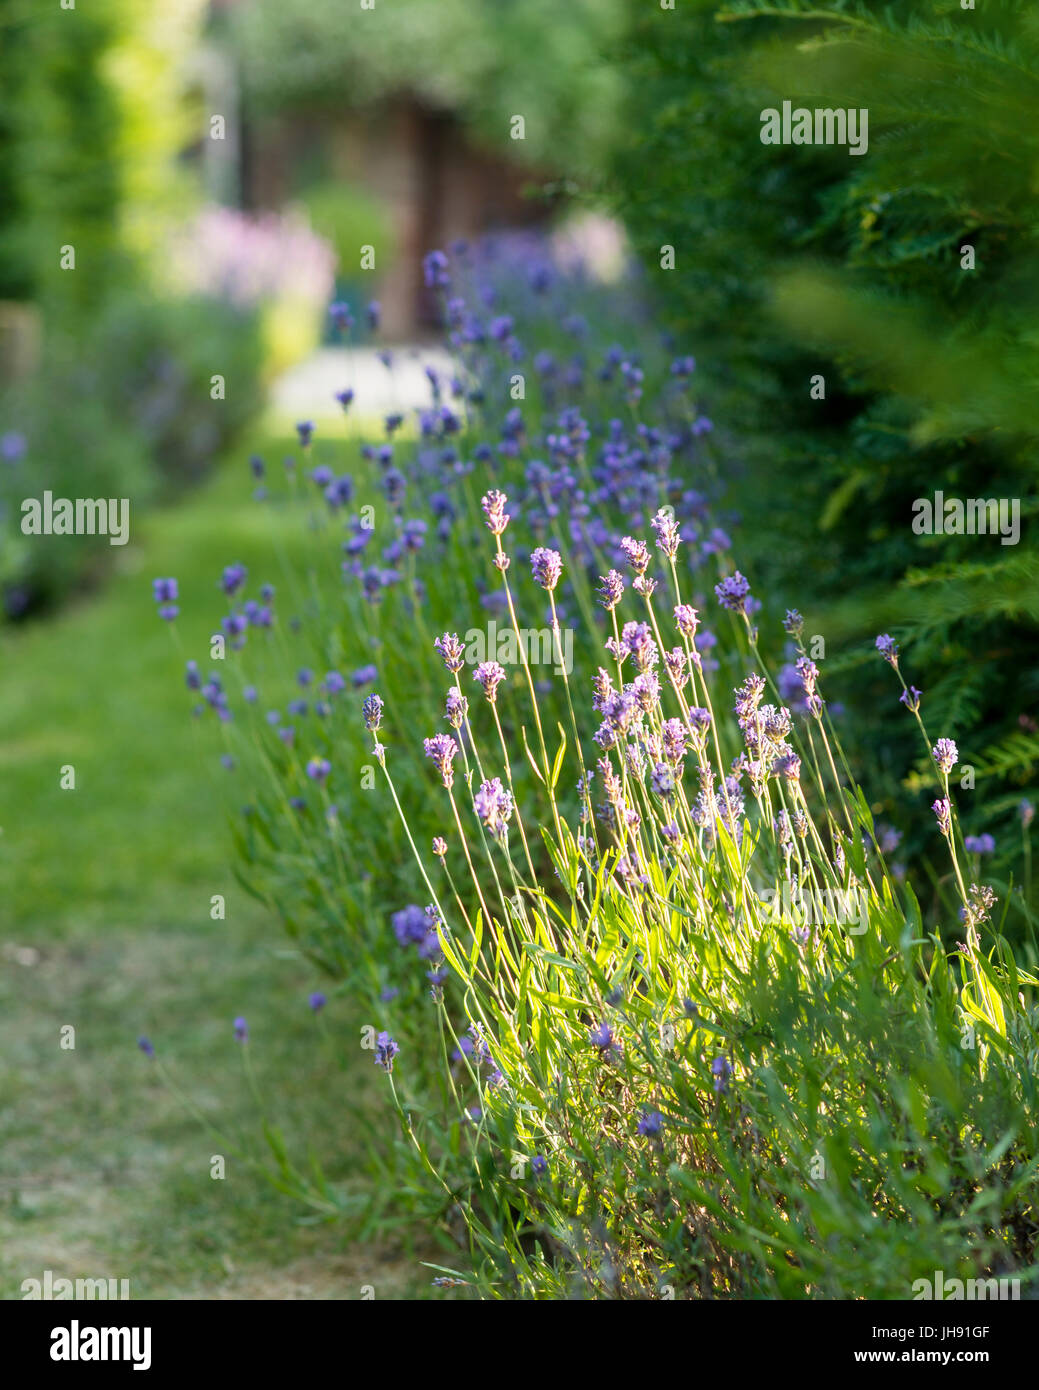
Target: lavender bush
x,y
657,1016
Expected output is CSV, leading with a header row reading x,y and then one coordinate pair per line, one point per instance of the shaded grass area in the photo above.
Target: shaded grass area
x,y
105,896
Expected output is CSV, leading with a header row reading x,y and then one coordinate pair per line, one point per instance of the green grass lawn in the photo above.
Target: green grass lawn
x,y
104,918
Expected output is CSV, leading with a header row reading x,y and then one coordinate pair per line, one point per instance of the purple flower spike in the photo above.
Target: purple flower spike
x,y
604,1039
164,590
667,533
721,1070
452,652
317,1001
636,554
318,769
611,590
456,709
443,750
651,1123
943,811
434,270
547,567
385,1051
233,578
732,592
145,1044
241,1030
371,711
945,755
493,804
490,675
493,505
686,619
911,698
888,649
340,314
979,844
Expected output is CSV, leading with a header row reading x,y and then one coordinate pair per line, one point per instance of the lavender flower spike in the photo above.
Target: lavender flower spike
x,y
686,619
611,590
490,675
493,504
385,1051
666,528
732,592
493,804
372,713
945,755
452,651
443,750
547,567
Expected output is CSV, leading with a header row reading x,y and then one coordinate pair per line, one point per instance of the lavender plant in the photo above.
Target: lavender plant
x,y
656,1015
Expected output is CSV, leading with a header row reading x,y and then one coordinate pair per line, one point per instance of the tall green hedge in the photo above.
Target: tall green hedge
x,y
59,126
793,261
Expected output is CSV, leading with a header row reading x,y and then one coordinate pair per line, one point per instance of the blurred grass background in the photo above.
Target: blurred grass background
x,y
104,908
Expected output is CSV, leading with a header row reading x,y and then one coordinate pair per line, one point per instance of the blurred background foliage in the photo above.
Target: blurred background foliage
x,y
105,378
793,261
486,60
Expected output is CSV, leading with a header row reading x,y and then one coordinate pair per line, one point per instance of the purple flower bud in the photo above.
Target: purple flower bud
x,y
371,712
318,769
943,811
979,844
233,578
164,590
604,1040
364,675
434,270
385,1051
241,1030
145,1045
651,1123
888,649
721,1070
317,1001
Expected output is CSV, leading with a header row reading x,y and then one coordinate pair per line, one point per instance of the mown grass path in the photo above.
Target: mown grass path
x,y
105,925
